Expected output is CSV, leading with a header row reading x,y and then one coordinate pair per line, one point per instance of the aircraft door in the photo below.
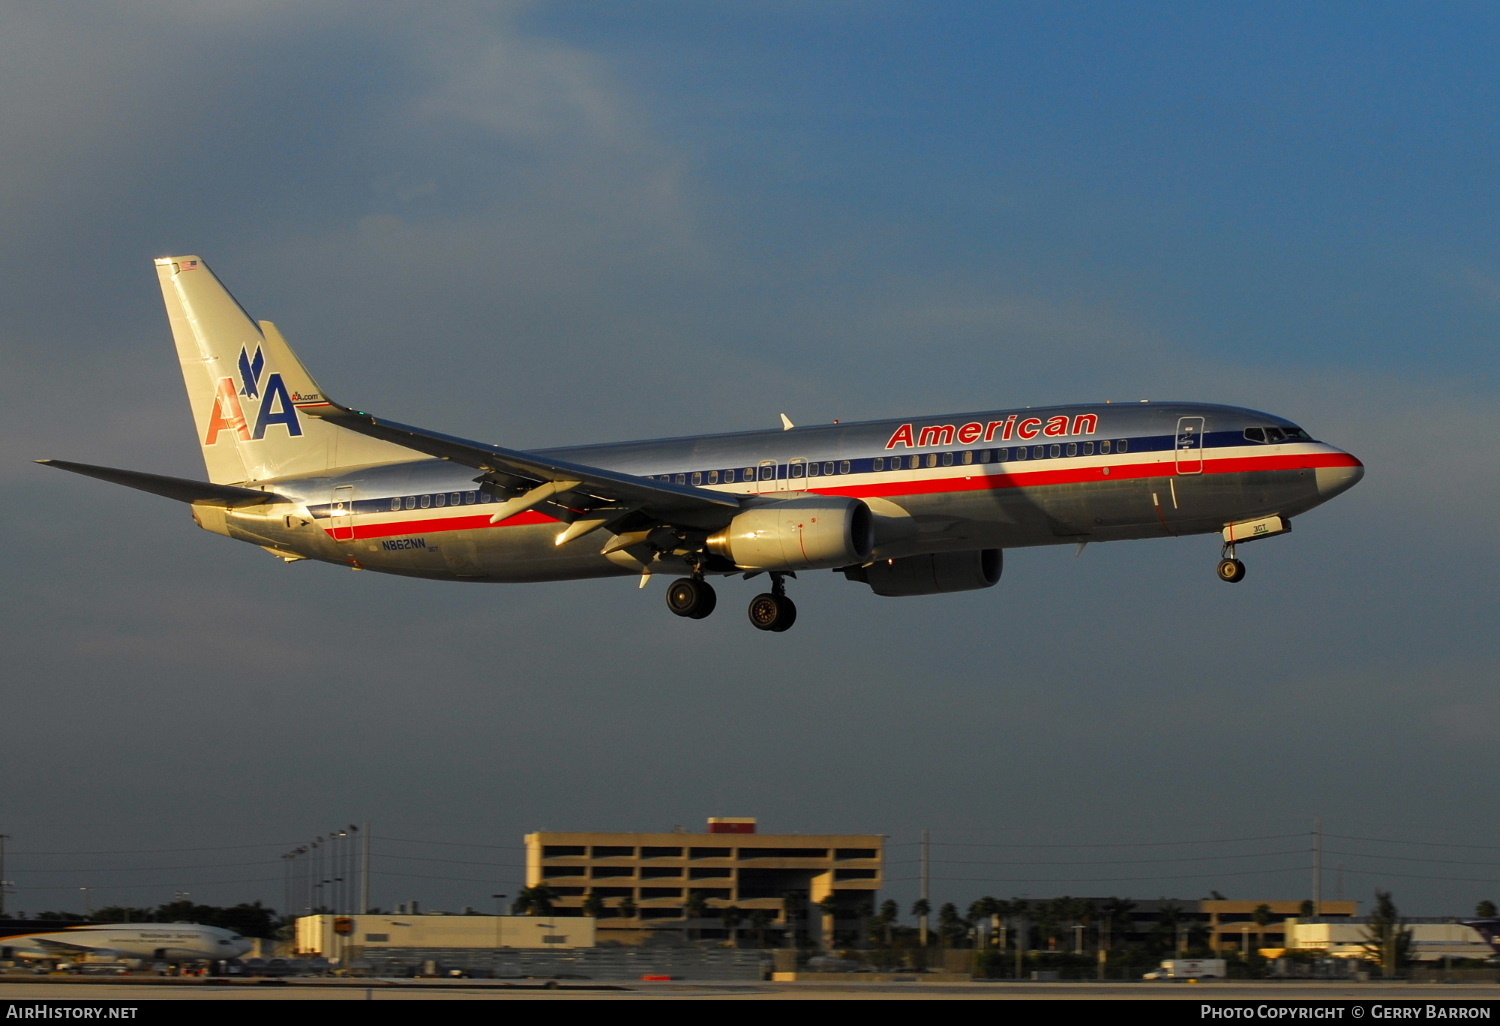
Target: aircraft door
x,y
341,513
1190,445
796,475
765,477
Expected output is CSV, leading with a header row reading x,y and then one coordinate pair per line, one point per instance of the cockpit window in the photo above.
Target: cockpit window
x,y
1255,434
1275,434
1298,434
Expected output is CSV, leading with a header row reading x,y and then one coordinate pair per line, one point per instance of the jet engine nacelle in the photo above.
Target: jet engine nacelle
x,y
933,574
819,532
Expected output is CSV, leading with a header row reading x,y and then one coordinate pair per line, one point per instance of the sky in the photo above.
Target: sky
x,y
554,223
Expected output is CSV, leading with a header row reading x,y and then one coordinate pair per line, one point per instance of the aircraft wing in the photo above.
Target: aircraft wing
x,y
61,948
181,489
574,488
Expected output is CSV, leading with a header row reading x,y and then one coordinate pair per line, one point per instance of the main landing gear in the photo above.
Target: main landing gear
x,y
773,611
694,598
1231,569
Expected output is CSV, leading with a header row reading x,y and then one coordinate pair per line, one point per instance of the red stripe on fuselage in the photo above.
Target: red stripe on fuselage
x,y
981,480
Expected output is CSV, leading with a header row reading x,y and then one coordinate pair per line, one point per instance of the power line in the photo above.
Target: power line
x,y
1121,844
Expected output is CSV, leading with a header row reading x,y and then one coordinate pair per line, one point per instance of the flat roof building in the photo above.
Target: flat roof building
x,y
334,936
730,864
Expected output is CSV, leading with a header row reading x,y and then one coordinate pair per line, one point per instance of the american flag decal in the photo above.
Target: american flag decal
x,y
188,265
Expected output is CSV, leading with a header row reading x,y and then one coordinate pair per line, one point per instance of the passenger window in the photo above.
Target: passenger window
x,y
713,477
486,497
1001,455
984,455
1072,448
828,469
1124,445
426,501
1088,448
395,504
947,459
682,479
768,473
844,467
797,469
411,502
968,458
1055,451
814,469
1021,452
1104,448
749,474
932,459
698,478
913,462
441,499
879,463
729,477
1038,451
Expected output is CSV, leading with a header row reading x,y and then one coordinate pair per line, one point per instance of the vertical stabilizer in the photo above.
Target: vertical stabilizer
x,y
248,390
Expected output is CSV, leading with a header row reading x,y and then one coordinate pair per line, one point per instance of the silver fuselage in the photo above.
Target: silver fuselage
x,y
997,479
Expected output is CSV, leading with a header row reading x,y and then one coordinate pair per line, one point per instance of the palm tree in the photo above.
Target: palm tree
x,y
951,928
889,913
921,908
593,905
1116,915
627,907
1485,909
792,907
1262,918
760,921
533,901
830,908
692,910
733,917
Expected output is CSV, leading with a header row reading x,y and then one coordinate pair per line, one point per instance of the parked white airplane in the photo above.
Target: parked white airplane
x,y
908,507
157,942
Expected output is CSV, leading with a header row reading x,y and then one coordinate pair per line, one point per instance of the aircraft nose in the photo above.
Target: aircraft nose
x,y
1333,480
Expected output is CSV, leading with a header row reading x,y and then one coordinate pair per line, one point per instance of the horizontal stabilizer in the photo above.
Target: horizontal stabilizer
x,y
177,488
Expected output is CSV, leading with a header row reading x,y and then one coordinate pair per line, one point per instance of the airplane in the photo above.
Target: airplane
x,y
1489,929
160,942
917,506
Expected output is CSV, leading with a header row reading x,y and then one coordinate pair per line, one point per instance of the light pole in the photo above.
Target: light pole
x,y
86,910
499,916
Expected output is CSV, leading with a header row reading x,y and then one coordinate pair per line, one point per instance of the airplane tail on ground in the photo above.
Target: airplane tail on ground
x,y
249,391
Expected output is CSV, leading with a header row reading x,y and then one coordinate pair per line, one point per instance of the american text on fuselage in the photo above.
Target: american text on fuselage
x,y
911,507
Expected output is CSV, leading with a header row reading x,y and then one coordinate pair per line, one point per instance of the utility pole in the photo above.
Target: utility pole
x,y
1317,867
926,882
364,872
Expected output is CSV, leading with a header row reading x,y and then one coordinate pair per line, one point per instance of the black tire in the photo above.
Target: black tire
x,y
707,600
1231,571
690,598
788,615
771,613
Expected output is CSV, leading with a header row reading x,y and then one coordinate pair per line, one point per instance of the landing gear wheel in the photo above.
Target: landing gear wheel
x,y
1231,570
772,612
692,598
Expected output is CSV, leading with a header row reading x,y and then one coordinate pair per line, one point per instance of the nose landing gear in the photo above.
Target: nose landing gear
x,y
773,611
1231,570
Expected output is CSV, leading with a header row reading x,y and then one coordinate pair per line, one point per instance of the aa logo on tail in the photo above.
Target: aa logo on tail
x,y
272,407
